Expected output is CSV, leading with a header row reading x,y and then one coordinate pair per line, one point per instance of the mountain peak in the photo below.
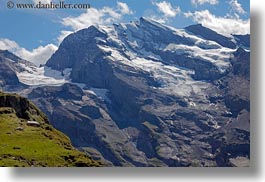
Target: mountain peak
x,y
147,21
7,54
90,32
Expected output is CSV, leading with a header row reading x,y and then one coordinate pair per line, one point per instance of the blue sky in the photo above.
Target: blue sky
x,y
35,34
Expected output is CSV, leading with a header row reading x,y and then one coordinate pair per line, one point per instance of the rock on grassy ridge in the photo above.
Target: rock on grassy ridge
x,y
24,145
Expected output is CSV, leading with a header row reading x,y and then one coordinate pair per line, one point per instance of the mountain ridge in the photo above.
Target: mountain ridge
x,y
149,94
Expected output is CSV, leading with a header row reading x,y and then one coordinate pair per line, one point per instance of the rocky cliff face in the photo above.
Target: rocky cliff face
x,y
23,107
145,94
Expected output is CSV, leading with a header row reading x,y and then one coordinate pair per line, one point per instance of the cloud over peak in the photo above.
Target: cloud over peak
x,y
6,44
37,56
167,9
222,25
94,16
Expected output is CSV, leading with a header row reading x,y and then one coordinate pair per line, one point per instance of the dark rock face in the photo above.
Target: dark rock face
x,y
241,64
8,67
67,91
85,39
243,40
7,77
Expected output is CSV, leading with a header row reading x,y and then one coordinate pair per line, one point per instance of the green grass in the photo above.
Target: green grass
x,y
36,146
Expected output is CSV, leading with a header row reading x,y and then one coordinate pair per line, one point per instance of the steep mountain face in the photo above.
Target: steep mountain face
x,y
9,64
27,138
145,94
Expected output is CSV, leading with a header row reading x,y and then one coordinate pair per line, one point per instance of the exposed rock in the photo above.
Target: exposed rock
x,y
240,162
19,129
67,91
33,123
22,106
243,40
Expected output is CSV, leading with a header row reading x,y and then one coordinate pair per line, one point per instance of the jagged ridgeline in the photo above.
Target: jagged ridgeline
x,y
27,138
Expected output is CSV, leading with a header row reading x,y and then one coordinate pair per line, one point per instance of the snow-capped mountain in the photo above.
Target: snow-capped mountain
x,y
146,94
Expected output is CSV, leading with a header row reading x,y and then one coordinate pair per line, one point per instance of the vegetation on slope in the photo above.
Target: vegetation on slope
x,y
24,145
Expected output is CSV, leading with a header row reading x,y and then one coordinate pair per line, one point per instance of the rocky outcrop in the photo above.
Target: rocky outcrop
x,y
27,138
22,106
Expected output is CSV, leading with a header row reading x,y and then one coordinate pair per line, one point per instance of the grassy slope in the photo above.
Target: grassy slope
x,y
36,146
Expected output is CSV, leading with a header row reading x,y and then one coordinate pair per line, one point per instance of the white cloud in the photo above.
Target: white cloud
x,y
124,8
111,12
236,7
91,17
37,56
94,16
201,2
6,44
167,9
222,25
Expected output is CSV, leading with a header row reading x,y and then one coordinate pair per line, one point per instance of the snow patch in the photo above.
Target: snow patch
x,y
172,79
41,76
219,57
100,93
